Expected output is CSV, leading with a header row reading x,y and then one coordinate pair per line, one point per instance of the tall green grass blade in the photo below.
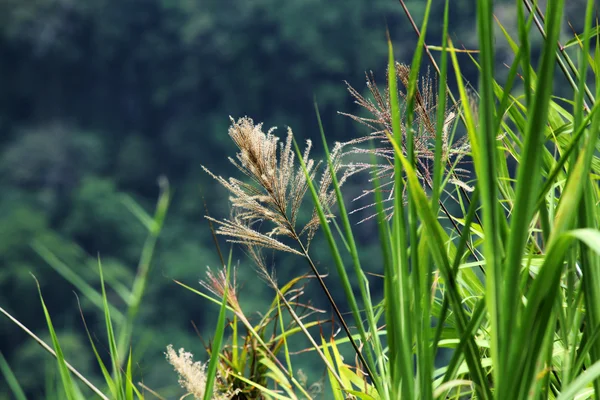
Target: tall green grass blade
x,y
438,251
386,249
65,377
527,186
441,112
588,205
420,267
338,262
524,51
143,269
112,341
397,279
360,275
53,353
217,341
11,379
483,154
129,386
112,386
536,317
286,350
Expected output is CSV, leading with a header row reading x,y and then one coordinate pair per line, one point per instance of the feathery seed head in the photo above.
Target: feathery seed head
x,y
275,188
380,121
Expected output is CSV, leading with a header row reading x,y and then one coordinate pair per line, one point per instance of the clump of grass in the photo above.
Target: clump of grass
x,y
525,329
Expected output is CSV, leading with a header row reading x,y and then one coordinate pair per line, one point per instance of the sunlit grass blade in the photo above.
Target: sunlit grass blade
x,y
129,386
336,388
420,266
566,155
397,294
286,350
536,317
363,283
527,186
339,264
592,373
588,205
440,256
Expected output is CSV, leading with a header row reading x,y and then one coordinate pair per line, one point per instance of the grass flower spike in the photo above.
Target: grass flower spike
x,y
275,190
192,375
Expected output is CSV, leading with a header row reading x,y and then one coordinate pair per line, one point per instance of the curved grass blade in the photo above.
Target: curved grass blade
x,y
65,376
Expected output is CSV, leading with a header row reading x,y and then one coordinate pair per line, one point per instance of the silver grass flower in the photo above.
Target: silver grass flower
x,y
380,120
192,375
274,190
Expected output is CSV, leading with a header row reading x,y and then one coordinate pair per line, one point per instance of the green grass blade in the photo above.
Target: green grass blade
x,y
588,206
527,186
129,386
338,262
112,386
361,277
536,317
53,353
420,267
590,374
483,154
70,276
112,341
65,376
11,379
438,251
284,338
397,280
441,111
464,239
143,269
217,341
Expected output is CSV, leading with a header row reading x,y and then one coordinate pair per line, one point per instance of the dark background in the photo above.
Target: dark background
x,y
101,97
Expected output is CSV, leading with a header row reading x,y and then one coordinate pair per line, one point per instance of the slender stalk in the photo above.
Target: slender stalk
x,y
562,51
450,94
335,308
51,351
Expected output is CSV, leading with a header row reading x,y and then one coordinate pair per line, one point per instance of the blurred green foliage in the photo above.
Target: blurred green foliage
x,y
99,98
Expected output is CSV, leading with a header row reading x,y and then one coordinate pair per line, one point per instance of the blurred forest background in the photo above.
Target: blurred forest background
x,y
100,98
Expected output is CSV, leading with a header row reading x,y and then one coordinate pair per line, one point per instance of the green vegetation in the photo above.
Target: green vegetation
x,y
484,279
